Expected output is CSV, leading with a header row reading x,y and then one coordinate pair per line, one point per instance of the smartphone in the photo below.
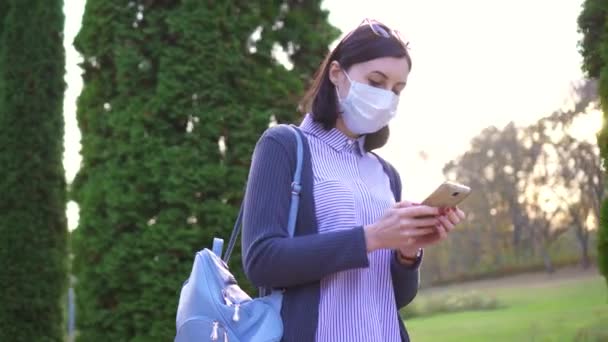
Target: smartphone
x,y
447,195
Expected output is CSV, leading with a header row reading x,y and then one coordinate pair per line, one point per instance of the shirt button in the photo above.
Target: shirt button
x,y
350,142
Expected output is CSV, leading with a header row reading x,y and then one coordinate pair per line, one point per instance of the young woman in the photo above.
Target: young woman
x,y
354,259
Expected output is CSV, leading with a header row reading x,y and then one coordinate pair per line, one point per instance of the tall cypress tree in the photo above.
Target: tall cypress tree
x,y
593,24
176,93
33,275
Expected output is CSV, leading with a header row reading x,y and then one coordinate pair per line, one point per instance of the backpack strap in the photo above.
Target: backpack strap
x,y
393,177
296,187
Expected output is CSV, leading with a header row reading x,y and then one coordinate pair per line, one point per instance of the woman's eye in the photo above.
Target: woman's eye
x,y
375,84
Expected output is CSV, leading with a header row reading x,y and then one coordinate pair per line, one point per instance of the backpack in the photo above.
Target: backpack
x,y
212,306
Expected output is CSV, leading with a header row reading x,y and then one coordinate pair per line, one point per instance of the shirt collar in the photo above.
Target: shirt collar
x,y
333,137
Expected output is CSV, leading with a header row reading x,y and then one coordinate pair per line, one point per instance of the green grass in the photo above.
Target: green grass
x,y
551,312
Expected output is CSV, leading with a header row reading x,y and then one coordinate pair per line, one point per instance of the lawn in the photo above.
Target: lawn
x,y
553,310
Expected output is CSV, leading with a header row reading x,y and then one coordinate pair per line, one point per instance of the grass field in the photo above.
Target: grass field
x,y
536,308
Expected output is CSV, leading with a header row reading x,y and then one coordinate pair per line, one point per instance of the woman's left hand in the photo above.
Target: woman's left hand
x,y
450,218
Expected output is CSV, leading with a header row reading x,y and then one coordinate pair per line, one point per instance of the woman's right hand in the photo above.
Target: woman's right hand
x,y
400,225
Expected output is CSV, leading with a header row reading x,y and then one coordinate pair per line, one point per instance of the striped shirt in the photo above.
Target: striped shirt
x,y
351,190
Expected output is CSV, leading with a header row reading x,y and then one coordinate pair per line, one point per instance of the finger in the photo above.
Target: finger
x,y
445,223
418,231
429,239
419,210
453,217
403,204
442,232
461,214
433,227
422,222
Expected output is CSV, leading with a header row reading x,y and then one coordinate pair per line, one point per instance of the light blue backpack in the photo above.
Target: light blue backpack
x,y
212,307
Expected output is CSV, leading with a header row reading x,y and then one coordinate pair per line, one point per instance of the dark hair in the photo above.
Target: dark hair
x,y
361,45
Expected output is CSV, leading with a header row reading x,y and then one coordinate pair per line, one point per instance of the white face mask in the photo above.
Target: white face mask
x,y
367,109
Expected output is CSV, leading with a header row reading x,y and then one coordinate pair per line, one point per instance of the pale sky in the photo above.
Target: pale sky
x,y
476,63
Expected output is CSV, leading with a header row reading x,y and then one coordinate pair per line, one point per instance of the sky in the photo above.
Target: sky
x,y
476,63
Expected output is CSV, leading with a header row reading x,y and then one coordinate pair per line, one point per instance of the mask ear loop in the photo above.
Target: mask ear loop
x,y
350,81
348,77
338,96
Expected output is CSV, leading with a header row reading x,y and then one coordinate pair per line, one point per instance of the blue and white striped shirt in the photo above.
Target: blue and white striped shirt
x,y
351,190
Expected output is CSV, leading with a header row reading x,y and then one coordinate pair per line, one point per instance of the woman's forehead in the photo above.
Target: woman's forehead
x,y
392,67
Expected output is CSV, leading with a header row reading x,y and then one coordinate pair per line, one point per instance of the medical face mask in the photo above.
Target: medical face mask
x,y
367,109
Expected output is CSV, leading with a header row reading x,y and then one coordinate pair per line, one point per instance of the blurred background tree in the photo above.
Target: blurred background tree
x,y
532,184
175,95
593,24
33,258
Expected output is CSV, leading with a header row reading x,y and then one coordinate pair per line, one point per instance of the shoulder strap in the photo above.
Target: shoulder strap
x,y
393,177
296,187
296,184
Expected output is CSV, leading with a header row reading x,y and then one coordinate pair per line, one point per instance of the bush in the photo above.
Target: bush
x,y
453,302
602,241
33,257
175,96
414,309
596,331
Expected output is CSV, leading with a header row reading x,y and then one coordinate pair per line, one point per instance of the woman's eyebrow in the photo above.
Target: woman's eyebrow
x,y
386,77
379,72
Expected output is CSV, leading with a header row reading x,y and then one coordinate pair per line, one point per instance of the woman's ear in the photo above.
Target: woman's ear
x,y
335,73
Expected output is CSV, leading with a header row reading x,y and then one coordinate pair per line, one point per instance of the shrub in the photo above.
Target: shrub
x,y
593,332
33,257
448,303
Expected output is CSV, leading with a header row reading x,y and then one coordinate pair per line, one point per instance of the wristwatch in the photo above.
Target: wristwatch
x,y
412,260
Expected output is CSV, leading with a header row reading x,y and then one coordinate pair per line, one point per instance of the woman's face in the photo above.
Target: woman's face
x,y
389,73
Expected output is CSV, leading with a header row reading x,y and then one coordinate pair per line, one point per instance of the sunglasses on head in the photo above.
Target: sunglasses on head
x,y
379,29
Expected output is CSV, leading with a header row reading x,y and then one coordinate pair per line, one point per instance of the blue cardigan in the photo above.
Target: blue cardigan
x,y
273,260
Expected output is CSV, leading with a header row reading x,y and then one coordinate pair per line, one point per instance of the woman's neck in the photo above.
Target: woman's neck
x,y
342,128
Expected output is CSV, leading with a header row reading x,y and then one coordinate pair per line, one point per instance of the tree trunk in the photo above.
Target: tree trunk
x,y
582,235
586,261
547,260
545,242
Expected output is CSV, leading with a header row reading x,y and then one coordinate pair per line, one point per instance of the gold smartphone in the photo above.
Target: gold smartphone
x,y
447,195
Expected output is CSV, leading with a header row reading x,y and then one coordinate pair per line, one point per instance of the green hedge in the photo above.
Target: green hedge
x,y
164,82
33,228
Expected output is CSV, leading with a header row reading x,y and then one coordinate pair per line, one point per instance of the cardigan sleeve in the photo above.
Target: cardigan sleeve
x,y
406,278
270,257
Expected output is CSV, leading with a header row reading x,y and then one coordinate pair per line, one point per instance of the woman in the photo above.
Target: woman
x,y
354,259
